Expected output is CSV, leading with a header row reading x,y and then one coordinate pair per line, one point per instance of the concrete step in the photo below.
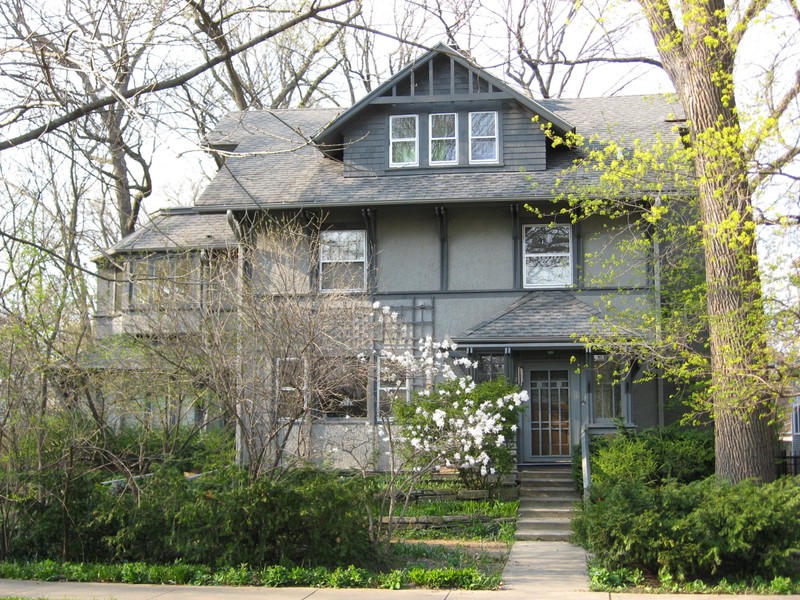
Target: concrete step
x,y
536,524
547,503
532,488
545,475
537,512
547,492
543,536
561,485
547,497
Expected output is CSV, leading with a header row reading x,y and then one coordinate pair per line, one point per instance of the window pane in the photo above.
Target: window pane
x,y
344,388
343,245
482,124
547,239
342,276
547,271
443,126
490,367
607,390
443,150
404,127
404,152
483,150
141,284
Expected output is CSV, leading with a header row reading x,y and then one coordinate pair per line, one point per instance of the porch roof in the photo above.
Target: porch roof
x,y
552,317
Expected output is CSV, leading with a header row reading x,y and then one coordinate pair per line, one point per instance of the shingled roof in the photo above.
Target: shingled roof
x,y
178,229
537,317
278,166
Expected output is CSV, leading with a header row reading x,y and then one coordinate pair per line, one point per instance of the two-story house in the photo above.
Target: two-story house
x,y
424,190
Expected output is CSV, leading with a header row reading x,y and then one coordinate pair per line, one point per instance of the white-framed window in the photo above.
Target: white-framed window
x,y
345,388
393,385
443,129
403,140
291,387
483,137
163,281
547,253
342,260
610,389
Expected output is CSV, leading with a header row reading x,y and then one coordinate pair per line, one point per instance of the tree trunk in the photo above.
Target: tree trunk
x,y
699,59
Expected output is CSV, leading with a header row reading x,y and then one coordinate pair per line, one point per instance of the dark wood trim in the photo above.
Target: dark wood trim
x,y
483,96
444,257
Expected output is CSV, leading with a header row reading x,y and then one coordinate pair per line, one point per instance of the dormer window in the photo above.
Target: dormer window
x,y
403,140
482,137
444,139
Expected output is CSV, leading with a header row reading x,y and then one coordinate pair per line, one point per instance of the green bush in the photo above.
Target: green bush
x,y
652,456
223,519
56,521
702,530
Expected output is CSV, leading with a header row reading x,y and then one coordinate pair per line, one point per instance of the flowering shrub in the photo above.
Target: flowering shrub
x,y
456,423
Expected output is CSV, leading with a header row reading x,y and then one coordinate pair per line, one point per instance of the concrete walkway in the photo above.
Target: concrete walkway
x,y
535,571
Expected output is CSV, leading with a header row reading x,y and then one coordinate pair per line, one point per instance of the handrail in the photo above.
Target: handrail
x,y
586,468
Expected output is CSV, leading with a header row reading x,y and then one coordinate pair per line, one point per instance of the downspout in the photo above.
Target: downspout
x,y
517,249
241,453
444,267
657,301
370,267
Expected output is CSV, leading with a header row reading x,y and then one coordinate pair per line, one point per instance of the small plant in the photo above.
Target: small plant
x,y
605,580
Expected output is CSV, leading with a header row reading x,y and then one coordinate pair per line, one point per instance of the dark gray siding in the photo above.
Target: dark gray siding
x,y
522,143
481,248
407,250
366,146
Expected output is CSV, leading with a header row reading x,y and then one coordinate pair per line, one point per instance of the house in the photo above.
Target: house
x,y
419,198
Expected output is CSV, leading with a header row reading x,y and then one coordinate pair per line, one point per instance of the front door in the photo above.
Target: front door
x,y
546,421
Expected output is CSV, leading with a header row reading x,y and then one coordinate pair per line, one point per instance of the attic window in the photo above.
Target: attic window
x,y
403,140
482,137
444,139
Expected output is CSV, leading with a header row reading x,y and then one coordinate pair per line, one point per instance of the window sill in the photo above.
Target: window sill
x,y
456,168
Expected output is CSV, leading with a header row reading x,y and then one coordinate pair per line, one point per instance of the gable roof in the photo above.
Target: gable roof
x,y
537,317
327,137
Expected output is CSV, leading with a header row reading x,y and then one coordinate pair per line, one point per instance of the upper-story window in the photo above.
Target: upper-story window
x,y
547,251
165,281
403,140
482,137
342,260
444,139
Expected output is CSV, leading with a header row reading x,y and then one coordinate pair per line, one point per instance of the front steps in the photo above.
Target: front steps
x,y
547,497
